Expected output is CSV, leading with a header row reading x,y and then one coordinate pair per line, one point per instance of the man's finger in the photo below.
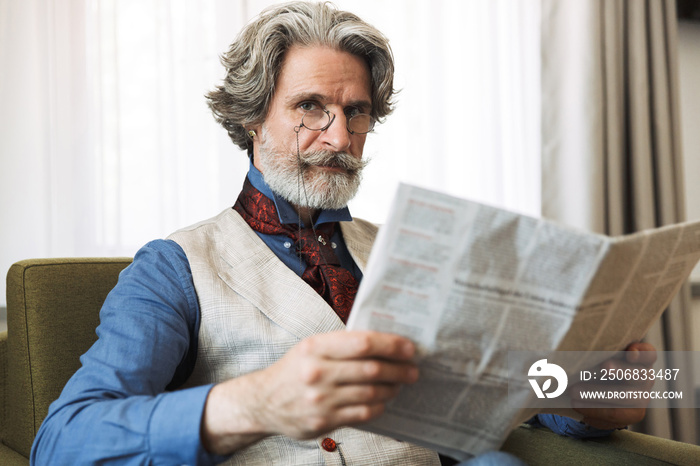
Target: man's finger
x,y
369,394
358,345
641,353
373,371
610,418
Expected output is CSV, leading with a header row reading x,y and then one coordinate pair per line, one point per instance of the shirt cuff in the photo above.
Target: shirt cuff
x,y
175,426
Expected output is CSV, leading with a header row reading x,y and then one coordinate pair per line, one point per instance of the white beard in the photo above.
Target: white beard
x,y
305,185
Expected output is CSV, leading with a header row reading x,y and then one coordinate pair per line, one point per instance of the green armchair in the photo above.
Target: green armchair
x,y
52,312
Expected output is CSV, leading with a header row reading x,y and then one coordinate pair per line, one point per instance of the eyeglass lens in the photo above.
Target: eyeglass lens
x,y
318,120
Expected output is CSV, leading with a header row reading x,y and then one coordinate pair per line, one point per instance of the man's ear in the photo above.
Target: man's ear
x,y
252,138
253,133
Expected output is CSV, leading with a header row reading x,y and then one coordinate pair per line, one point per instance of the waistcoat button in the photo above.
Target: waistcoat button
x,y
328,444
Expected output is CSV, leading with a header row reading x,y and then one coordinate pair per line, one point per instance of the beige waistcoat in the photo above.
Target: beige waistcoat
x,y
253,310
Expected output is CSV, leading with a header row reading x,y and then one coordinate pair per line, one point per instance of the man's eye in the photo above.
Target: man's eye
x,y
307,106
352,111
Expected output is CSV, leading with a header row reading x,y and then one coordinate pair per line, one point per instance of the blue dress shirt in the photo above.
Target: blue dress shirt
x,y
281,245
118,406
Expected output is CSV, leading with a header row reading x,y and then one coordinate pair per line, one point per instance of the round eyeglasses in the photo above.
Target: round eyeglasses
x,y
321,119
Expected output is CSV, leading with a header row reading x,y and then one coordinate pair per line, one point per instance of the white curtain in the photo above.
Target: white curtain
x,y
468,116
106,141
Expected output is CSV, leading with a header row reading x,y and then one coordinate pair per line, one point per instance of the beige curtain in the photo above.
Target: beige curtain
x,y
611,155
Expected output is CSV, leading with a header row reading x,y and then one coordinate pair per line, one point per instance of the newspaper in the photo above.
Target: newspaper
x,y
469,283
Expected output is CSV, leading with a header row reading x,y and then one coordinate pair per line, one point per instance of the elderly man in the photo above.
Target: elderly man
x,y
226,340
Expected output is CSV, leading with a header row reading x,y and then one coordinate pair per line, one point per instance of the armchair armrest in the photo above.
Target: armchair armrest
x,y
3,376
8,456
541,446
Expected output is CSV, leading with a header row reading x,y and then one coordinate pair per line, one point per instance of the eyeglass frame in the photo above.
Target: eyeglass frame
x,y
331,117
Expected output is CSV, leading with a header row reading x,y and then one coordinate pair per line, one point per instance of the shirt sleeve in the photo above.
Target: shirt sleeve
x,y
568,427
116,408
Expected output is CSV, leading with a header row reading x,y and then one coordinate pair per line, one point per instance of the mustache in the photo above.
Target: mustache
x,y
342,160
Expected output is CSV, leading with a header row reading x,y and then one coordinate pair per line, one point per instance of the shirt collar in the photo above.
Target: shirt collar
x,y
286,212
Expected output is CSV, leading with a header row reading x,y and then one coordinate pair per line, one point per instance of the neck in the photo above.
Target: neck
x,y
307,214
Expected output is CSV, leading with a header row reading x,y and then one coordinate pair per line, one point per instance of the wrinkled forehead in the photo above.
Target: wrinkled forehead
x,y
327,74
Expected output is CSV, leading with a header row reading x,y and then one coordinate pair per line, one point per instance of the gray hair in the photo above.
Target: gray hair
x,y
254,60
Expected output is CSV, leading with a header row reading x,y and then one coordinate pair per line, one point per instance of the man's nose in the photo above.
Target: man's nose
x,y
337,137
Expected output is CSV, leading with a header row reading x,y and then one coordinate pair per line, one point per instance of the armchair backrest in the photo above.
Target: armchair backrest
x,y
52,311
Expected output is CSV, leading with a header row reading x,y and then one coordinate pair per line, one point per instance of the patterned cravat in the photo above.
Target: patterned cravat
x,y
323,272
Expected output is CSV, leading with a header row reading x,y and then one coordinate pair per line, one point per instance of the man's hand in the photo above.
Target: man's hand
x,y
637,356
326,381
